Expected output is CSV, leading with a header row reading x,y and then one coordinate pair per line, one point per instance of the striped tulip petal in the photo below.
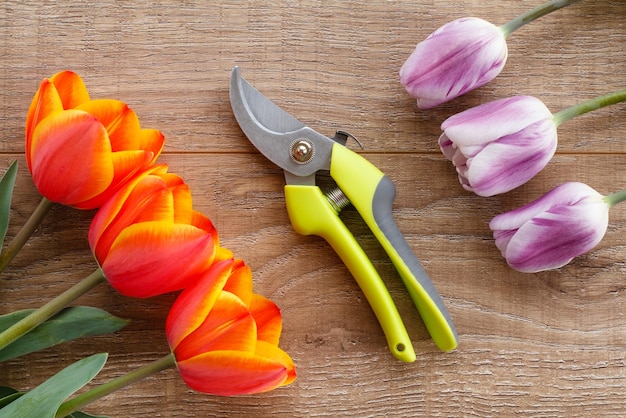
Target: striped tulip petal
x,y
228,326
229,373
139,263
195,302
129,149
548,233
70,157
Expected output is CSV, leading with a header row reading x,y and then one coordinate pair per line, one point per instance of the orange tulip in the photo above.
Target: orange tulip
x,y
225,338
80,151
148,239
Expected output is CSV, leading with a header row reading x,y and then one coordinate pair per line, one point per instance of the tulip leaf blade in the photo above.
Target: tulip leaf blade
x,y
44,400
69,324
79,414
8,395
7,184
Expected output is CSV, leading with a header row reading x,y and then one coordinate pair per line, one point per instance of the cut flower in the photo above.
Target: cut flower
x,y
225,337
458,57
462,55
548,233
499,145
148,239
80,151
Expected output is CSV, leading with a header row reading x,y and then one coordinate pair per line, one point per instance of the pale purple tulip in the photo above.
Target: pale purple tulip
x,y
499,145
458,57
548,233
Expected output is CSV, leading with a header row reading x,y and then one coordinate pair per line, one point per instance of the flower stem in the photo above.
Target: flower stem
x,y
49,309
101,391
615,198
589,105
27,230
535,13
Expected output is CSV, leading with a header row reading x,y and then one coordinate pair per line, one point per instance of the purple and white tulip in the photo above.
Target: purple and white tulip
x,y
458,57
499,145
548,233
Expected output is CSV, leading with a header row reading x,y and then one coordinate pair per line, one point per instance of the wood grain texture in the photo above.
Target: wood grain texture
x,y
547,344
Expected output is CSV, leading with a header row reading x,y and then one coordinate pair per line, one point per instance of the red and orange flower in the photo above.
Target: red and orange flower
x,y
225,337
147,237
80,151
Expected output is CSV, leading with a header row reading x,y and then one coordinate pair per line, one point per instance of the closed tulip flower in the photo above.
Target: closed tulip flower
x,y
548,233
148,239
225,338
499,145
80,151
461,56
458,57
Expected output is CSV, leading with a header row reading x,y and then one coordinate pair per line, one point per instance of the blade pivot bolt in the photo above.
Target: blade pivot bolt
x,y
302,151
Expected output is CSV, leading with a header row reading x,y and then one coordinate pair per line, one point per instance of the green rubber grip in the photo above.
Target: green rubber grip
x,y
311,214
372,194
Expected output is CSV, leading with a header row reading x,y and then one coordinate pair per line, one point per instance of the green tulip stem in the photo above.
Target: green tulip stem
x,y
24,234
615,198
105,389
535,13
49,309
589,105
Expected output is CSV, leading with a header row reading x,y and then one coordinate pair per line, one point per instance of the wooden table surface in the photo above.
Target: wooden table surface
x,y
547,344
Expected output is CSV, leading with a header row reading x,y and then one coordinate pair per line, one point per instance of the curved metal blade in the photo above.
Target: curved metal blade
x,y
273,131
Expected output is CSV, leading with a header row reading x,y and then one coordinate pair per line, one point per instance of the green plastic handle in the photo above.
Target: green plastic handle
x,y
372,194
311,214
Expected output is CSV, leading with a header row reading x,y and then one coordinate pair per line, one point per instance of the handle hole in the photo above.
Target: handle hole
x,y
400,347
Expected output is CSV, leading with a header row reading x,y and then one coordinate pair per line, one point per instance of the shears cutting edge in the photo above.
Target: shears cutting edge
x,y
301,152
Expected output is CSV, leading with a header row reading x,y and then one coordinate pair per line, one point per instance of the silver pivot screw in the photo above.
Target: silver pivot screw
x,y
302,151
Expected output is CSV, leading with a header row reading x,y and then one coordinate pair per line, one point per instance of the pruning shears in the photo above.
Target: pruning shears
x,y
302,152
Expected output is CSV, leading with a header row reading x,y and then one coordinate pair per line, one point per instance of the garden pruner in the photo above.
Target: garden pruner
x,y
301,152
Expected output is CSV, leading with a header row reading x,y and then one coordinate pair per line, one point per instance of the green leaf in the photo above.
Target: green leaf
x,y
84,415
6,391
44,400
69,324
6,192
8,395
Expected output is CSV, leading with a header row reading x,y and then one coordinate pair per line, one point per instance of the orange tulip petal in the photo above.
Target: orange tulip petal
x,y
45,102
199,220
228,373
71,89
111,209
149,200
183,207
120,121
71,157
195,302
139,262
267,317
222,254
240,282
229,326
123,127
271,351
151,140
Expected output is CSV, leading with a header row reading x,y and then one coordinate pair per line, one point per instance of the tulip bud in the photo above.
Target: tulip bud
x,y
148,239
548,233
499,145
224,337
80,151
458,57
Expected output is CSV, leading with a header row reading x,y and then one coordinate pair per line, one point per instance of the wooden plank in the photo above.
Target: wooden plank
x,y
546,344
334,66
